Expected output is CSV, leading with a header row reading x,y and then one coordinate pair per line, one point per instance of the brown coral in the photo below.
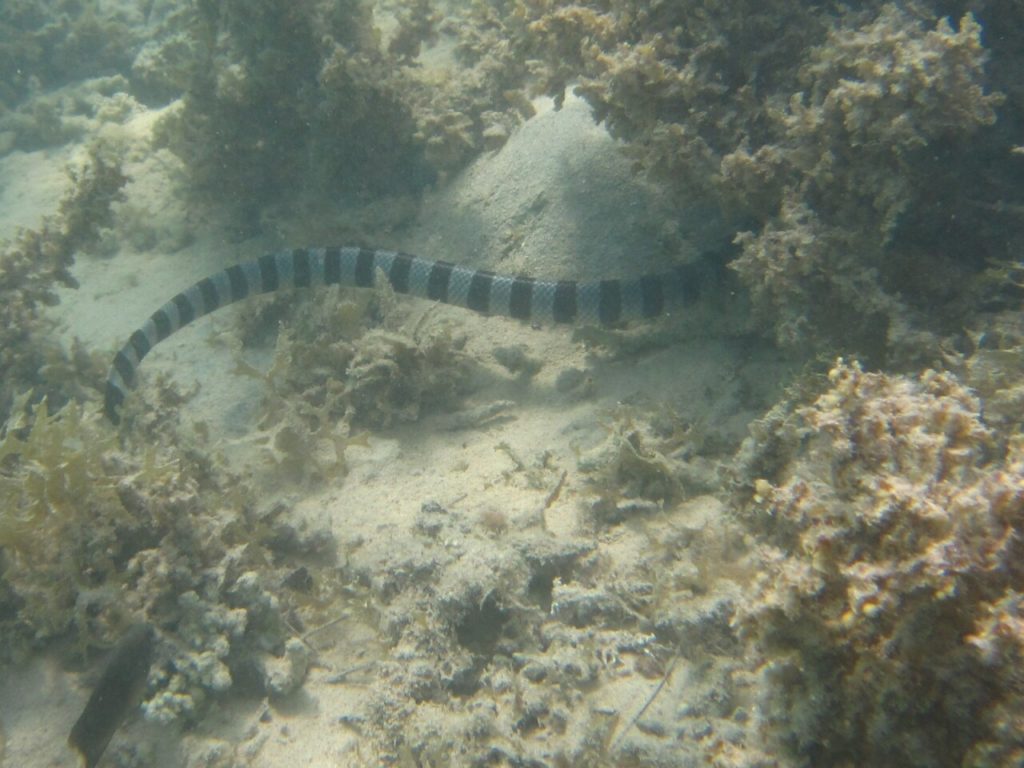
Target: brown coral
x,y
838,139
897,531
850,156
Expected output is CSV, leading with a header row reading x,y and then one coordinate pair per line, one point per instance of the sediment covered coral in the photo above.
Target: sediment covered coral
x,y
46,43
91,541
331,377
887,606
312,98
62,65
544,648
841,141
853,151
682,83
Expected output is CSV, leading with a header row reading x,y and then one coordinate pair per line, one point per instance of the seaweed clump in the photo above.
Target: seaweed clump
x,y
887,615
49,43
275,85
883,121
311,99
92,541
331,377
842,143
31,269
63,65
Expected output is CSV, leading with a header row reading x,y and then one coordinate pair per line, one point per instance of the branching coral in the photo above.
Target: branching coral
x,y
887,608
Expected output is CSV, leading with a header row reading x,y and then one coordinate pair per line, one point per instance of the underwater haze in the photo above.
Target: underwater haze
x,y
511,383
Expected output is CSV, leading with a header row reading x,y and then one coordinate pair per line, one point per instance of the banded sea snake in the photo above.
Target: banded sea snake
x,y
560,301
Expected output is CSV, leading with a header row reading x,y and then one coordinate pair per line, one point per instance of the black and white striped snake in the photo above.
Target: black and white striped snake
x,y
560,301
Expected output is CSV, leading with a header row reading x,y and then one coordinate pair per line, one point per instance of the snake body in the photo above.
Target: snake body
x,y
602,302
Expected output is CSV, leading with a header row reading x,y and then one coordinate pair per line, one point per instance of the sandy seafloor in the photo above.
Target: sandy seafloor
x,y
573,206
